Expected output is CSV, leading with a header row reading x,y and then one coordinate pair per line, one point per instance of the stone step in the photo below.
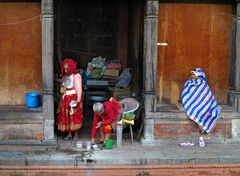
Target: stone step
x,y
19,123
168,129
170,123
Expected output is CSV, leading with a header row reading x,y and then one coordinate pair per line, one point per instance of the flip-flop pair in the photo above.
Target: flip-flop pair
x,y
75,138
201,142
187,144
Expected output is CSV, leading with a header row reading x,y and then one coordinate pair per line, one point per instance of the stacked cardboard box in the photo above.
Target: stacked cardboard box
x,y
111,73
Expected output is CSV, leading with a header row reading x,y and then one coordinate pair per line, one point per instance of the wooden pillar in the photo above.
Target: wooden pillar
x,y
150,65
233,54
47,68
235,64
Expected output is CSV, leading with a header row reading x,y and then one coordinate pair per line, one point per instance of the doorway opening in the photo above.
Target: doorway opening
x,y
107,29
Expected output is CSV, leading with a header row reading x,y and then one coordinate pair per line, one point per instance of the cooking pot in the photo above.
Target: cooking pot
x,y
96,147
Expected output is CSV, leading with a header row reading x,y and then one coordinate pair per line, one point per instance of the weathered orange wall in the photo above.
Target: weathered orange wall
x,y
20,51
198,35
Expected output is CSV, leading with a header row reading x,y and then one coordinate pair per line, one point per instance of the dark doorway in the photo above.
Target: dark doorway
x,y
86,29
111,29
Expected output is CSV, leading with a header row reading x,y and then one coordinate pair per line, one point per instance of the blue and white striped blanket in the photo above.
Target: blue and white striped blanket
x,y
198,101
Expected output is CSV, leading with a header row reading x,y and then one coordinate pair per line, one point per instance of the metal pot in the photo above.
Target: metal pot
x,y
97,147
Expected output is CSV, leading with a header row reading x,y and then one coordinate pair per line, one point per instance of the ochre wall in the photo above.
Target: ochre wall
x,y
198,35
20,51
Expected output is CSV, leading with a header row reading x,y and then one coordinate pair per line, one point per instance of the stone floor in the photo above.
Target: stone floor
x,y
65,159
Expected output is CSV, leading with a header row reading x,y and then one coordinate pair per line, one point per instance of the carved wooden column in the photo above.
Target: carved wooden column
x,y
47,68
150,65
235,62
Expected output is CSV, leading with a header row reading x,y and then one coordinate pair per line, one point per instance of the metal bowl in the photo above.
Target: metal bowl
x,y
97,147
98,98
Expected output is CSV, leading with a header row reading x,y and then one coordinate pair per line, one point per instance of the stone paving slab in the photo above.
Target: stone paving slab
x,y
67,154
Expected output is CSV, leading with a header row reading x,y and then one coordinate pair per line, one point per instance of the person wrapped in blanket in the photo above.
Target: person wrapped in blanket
x,y
105,116
199,103
70,110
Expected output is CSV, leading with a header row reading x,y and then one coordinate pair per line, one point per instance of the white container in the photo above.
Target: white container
x,y
88,145
79,144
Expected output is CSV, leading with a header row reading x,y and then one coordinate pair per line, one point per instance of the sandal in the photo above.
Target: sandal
x,y
101,142
75,138
68,137
187,144
201,142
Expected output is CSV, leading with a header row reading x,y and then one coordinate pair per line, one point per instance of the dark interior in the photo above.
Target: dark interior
x,y
107,28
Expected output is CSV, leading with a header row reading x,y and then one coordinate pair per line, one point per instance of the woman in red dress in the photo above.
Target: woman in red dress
x,y
105,115
70,111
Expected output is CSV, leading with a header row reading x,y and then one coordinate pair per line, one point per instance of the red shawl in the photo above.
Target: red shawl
x,y
72,66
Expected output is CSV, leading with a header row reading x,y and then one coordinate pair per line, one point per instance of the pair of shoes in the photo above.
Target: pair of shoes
x,y
67,138
75,138
102,143
187,144
201,142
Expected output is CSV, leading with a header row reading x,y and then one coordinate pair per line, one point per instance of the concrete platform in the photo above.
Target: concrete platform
x,y
19,123
166,159
66,154
221,156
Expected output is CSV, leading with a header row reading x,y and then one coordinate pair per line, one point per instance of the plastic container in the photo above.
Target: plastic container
x,y
79,144
32,99
108,144
88,145
108,129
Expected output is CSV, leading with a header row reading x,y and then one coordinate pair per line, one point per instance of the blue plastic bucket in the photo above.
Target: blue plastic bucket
x,y
32,99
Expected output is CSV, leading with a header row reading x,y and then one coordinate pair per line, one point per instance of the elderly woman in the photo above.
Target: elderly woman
x,y
105,114
199,103
70,111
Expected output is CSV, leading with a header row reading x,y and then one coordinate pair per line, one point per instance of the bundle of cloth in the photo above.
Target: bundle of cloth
x,y
199,102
